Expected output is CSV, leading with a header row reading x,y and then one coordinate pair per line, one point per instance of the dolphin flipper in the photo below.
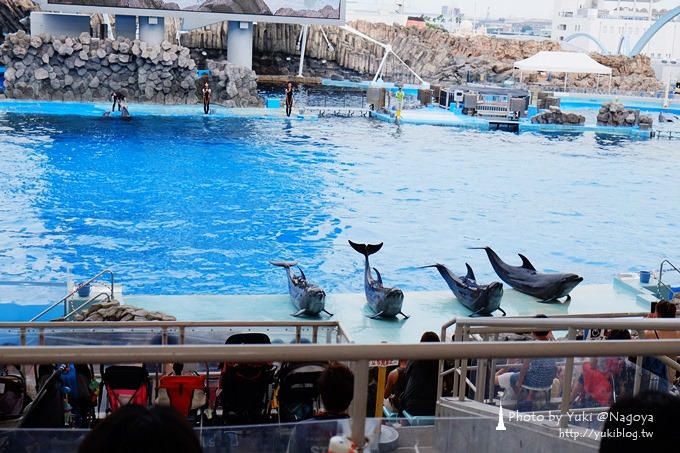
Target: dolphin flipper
x,y
366,249
379,279
286,264
302,274
299,313
404,315
377,315
327,312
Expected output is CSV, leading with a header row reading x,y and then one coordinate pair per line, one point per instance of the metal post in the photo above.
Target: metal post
x,y
303,47
566,385
359,403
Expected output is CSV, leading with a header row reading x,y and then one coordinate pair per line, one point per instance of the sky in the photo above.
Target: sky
x,y
539,9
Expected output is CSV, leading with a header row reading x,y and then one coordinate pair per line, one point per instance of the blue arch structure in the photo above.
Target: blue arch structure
x,y
656,26
591,37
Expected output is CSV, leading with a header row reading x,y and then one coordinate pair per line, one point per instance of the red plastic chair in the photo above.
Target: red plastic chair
x,y
185,393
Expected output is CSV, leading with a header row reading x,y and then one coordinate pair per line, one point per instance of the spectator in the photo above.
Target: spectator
x,y
336,388
420,392
653,369
394,387
137,429
536,373
647,420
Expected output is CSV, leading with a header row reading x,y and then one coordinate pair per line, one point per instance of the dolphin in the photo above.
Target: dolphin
x,y
525,278
385,302
481,299
309,299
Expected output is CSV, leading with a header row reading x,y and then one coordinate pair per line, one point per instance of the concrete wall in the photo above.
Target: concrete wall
x,y
59,24
471,426
240,43
126,27
151,29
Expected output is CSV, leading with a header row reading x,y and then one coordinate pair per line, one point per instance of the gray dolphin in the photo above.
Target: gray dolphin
x,y
525,278
481,299
309,299
384,302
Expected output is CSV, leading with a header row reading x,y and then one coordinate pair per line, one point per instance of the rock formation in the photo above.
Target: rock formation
x,y
114,311
12,13
615,114
555,116
436,56
86,69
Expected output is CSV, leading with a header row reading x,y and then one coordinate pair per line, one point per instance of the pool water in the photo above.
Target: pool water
x,y
189,204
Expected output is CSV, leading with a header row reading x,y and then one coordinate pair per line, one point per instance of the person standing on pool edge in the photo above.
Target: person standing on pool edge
x,y
289,98
206,98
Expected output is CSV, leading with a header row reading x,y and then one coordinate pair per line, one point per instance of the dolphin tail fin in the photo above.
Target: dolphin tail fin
x,y
526,264
470,274
286,264
299,313
366,249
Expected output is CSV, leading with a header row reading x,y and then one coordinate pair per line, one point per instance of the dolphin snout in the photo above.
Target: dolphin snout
x,y
395,294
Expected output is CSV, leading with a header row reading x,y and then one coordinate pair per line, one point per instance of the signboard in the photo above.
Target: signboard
x,y
323,12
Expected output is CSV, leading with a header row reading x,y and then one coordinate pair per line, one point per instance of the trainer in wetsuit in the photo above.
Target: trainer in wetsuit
x,y
206,98
289,98
117,97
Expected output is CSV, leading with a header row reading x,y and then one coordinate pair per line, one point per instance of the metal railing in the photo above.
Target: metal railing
x,y
466,328
359,354
660,286
64,300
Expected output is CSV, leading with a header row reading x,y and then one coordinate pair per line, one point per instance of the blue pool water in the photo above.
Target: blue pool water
x,y
194,205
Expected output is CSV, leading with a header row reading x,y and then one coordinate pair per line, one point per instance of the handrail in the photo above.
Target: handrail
x,y
86,304
360,354
72,293
659,284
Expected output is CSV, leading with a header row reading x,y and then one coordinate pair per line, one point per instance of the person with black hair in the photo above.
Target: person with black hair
x,y
420,391
336,389
646,420
289,98
138,429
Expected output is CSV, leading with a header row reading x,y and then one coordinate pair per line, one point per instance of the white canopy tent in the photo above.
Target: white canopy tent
x,y
566,62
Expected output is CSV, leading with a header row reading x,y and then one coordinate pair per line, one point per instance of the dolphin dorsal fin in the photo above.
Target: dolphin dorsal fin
x,y
302,274
379,279
470,274
526,264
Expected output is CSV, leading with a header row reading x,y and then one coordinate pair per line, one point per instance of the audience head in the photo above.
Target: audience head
x,y
619,334
336,387
429,337
665,309
541,333
177,368
138,429
656,413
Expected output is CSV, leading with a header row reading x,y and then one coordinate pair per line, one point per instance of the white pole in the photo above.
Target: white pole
x,y
303,47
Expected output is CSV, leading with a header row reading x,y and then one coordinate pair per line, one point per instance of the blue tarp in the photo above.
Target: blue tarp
x,y
2,79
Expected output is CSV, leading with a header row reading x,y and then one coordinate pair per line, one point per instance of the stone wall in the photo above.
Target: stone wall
x,y
86,69
439,57
555,116
615,114
114,311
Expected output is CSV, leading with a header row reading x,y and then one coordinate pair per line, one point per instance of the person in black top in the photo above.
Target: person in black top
x,y
206,98
336,388
420,394
118,97
289,98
